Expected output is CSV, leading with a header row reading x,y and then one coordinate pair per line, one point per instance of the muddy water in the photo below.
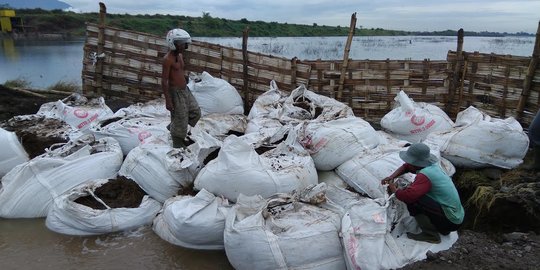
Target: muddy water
x,y
28,244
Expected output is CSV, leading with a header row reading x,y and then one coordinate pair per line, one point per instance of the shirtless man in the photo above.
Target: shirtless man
x,y
178,99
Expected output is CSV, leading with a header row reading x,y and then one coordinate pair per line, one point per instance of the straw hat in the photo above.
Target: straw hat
x,y
418,155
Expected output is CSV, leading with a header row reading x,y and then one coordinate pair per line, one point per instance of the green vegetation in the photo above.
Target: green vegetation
x,y
58,21
65,87
19,82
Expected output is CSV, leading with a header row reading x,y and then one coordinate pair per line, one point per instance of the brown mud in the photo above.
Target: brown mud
x,y
116,193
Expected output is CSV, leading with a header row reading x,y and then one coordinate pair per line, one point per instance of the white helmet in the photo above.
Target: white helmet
x,y
177,34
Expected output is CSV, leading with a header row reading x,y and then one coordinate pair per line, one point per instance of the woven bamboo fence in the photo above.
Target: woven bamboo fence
x,y
128,65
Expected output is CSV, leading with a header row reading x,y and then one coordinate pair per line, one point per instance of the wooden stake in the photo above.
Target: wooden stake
x,y
460,99
455,76
245,87
533,64
346,56
101,44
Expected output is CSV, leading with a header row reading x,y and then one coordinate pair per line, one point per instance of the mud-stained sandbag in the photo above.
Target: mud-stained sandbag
x,y
264,126
153,108
195,222
365,171
163,171
374,231
413,121
331,178
478,140
102,206
332,143
221,126
12,153
215,95
267,104
29,189
77,111
303,104
282,233
239,168
37,132
131,131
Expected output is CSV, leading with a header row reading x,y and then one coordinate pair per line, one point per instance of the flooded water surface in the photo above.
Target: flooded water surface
x,y
28,244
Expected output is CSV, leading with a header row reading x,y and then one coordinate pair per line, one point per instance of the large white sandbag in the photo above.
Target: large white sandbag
x,y
77,111
195,222
215,95
365,171
239,169
12,153
332,143
222,125
28,189
69,217
331,178
413,121
477,140
131,131
303,104
163,171
282,234
153,108
374,231
264,126
267,104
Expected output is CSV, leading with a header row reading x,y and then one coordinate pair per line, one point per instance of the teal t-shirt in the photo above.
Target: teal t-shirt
x,y
445,193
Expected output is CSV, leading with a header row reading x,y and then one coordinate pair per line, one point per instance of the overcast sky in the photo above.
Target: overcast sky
x,y
422,15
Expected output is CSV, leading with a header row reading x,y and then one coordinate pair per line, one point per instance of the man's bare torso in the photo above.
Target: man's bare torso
x,y
176,71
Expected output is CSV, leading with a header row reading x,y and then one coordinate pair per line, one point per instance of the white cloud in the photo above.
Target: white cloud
x,y
422,15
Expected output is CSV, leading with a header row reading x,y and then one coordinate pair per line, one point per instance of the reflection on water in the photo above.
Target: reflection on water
x,y
8,48
28,244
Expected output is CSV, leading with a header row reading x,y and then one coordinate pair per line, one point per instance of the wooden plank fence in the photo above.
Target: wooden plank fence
x,y
130,68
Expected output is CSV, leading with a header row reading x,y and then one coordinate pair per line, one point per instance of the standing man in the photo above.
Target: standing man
x,y
432,199
178,99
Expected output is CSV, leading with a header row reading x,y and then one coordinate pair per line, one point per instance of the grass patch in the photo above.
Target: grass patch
x,y
18,83
65,87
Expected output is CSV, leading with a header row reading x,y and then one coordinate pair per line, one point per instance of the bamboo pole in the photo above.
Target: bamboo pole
x,y
346,56
101,43
460,98
455,75
245,87
527,82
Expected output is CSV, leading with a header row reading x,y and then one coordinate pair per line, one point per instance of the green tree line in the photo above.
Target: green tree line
x,y
58,21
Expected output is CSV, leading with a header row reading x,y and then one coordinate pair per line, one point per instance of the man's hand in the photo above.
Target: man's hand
x,y
392,188
387,180
169,106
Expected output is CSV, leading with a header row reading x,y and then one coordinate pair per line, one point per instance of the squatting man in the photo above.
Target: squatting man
x,y
178,98
432,199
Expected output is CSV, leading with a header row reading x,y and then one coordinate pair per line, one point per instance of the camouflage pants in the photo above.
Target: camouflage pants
x,y
186,111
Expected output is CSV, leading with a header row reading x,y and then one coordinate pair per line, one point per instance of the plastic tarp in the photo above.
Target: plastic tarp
x,y
332,143
77,111
478,140
215,95
239,169
131,131
413,121
282,233
29,189
12,153
195,222
68,217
